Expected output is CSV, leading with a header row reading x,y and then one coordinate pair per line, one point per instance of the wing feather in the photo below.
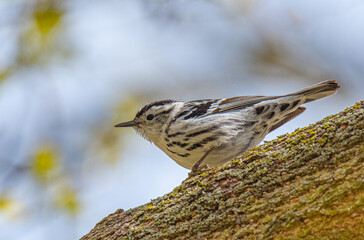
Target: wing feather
x,y
239,103
205,107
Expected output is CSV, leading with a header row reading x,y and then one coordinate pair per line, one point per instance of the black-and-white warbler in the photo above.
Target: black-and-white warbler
x,y
214,131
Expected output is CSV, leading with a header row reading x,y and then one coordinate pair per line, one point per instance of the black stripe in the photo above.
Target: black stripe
x,y
249,123
175,118
259,109
181,155
240,121
209,139
271,115
202,131
166,111
182,114
221,134
194,146
295,103
182,145
184,155
203,142
174,134
200,110
153,104
284,106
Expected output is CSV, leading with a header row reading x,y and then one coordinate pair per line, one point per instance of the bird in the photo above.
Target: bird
x,y
211,132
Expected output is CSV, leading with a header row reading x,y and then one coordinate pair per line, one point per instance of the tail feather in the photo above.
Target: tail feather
x,y
288,118
318,91
306,95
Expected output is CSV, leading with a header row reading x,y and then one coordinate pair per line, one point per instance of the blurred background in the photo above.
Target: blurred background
x,y
70,70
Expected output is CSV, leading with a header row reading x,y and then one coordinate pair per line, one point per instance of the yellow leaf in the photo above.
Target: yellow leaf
x,y
5,73
67,199
47,19
5,204
44,163
11,208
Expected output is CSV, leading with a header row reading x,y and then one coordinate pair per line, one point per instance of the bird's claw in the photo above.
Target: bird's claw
x,y
199,170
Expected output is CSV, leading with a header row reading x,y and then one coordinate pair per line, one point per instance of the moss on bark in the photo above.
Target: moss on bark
x,y
308,184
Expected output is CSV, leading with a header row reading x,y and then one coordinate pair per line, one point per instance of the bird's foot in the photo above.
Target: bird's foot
x,y
199,170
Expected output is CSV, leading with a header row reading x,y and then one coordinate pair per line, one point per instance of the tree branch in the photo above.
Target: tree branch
x,y
305,185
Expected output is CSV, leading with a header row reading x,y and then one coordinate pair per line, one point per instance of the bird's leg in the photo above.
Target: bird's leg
x,y
197,164
195,169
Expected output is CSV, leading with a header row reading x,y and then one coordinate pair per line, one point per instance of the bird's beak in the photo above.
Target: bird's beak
x,y
127,124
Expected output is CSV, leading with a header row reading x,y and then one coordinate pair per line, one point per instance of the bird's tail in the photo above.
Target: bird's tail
x,y
317,91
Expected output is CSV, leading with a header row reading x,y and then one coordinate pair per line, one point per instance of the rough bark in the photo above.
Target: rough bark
x,y
308,184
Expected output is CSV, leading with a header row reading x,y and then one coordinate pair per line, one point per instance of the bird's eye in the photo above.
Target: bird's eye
x,y
150,117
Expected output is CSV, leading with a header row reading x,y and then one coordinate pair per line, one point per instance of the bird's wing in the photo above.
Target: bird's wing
x,y
238,103
199,108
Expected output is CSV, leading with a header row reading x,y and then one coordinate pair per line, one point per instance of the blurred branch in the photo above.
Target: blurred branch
x,y
307,183
279,51
274,59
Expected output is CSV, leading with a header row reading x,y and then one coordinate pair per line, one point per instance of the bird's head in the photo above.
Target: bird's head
x,y
151,119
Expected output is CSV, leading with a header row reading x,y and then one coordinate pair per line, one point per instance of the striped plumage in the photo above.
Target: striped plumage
x,y
214,131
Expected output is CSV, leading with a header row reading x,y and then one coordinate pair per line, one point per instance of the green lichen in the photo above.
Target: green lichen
x,y
205,186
